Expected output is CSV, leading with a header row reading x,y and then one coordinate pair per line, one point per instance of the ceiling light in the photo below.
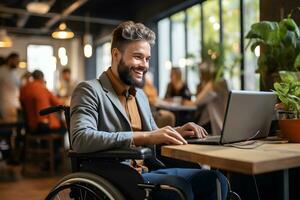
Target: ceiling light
x,y
63,32
5,40
38,7
88,48
62,52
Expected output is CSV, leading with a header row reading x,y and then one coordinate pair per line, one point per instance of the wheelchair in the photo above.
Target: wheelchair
x,y
113,180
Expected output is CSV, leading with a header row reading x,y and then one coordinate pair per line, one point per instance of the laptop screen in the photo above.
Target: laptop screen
x,y
248,115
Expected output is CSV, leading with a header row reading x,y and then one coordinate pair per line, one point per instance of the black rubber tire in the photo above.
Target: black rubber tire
x,y
88,181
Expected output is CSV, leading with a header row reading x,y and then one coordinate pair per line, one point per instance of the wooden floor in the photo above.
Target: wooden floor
x,y
27,188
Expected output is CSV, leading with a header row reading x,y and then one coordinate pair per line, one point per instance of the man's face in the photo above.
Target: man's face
x,y
66,76
134,63
14,62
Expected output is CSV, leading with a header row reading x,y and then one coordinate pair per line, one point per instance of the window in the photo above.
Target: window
x,y
103,58
251,15
164,55
185,37
41,57
193,46
211,22
178,43
231,43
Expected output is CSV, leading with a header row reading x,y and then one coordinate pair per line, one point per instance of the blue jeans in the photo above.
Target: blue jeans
x,y
194,183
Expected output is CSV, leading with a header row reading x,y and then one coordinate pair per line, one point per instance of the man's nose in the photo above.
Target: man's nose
x,y
145,63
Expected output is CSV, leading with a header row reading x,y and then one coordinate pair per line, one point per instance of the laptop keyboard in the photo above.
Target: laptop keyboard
x,y
210,138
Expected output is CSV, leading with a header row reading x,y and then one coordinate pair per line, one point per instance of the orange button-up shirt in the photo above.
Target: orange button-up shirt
x,y
128,103
131,109
34,96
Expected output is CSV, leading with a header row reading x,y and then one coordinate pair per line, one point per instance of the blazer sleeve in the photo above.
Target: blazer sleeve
x,y
85,136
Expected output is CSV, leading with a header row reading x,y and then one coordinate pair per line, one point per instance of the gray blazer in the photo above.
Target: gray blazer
x,y
98,119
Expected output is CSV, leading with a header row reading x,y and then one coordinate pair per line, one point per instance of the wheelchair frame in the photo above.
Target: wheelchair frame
x,y
100,182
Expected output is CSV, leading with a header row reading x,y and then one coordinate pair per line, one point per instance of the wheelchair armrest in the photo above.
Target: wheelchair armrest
x,y
116,154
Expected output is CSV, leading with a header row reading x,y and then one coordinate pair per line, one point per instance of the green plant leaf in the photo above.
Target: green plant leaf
x,y
291,25
290,39
287,77
297,62
263,30
281,88
255,44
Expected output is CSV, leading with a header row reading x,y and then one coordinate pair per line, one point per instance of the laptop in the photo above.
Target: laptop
x,y
248,116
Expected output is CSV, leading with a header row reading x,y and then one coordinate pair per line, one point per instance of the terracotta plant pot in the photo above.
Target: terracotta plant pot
x,y
290,129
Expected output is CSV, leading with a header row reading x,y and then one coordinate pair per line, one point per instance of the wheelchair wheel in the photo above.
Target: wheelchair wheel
x,y
84,186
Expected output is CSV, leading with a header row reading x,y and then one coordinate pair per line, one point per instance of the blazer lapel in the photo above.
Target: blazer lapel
x,y
111,94
144,112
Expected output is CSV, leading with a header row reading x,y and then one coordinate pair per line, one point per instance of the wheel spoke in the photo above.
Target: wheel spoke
x,y
81,195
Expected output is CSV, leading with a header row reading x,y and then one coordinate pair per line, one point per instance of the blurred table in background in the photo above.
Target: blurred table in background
x,y
184,112
11,142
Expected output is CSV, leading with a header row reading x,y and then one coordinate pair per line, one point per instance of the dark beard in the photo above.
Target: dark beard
x,y
125,75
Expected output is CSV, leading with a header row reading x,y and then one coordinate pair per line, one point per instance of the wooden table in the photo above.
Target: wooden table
x,y
161,104
263,159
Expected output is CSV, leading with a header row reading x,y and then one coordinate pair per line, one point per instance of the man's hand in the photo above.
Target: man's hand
x,y
165,135
192,130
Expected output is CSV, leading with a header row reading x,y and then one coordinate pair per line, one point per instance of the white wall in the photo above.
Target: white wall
x,y
73,48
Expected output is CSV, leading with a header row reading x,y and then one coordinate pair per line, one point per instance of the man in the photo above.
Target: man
x,y
113,112
34,97
9,89
66,85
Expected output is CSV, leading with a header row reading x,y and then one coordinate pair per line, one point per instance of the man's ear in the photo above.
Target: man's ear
x,y
115,53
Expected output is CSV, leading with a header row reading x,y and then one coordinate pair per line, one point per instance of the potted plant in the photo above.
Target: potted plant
x,y
288,91
279,44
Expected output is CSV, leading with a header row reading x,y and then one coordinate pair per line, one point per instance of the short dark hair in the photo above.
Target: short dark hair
x,y
129,31
37,75
66,70
177,71
12,56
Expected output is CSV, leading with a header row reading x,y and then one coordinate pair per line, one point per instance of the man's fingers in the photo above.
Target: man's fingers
x,y
188,133
173,140
204,131
174,133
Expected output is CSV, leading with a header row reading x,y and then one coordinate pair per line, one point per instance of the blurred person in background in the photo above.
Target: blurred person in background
x,y
34,96
177,87
2,60
161,117
26,78
66,85
9,89
211,98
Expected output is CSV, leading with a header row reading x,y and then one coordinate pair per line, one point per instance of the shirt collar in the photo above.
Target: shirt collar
x,y
118,85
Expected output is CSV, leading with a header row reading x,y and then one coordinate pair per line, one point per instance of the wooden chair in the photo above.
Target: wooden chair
x,y
42,145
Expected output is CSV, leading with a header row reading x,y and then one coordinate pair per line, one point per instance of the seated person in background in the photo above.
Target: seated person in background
x,y
113,112
34,96
177,88
211,98
26,78
161,117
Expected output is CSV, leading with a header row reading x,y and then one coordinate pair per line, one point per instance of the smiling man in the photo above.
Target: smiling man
x,y
113,112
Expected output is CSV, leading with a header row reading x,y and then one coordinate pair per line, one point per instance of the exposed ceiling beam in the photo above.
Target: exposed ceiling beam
x,y
66,12
10,10
25,30
23,18
95,20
